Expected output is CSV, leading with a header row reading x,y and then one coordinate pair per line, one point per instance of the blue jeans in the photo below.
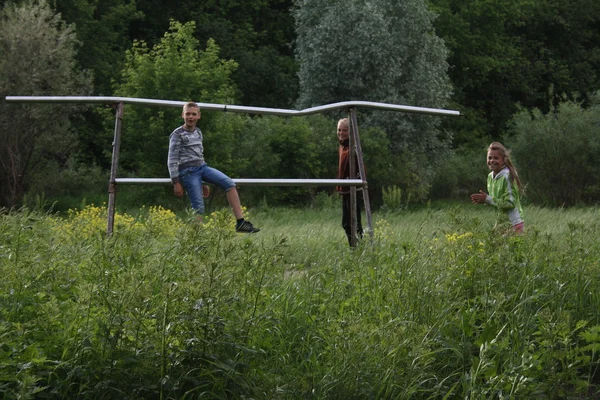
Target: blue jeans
x,y
191,179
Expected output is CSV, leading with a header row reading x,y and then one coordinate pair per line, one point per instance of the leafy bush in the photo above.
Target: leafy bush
x,y
73,180
324,201
393,199
558,153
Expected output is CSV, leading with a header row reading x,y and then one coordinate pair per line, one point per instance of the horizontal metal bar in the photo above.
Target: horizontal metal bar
x,y
232,108
256,182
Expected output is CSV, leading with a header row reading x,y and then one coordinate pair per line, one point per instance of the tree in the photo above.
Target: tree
x,y
562,40
384,51
506,53
104,28
257,34
37,58
174,69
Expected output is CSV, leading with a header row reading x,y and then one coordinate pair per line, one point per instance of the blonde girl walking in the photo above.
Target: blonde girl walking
x,y
503,186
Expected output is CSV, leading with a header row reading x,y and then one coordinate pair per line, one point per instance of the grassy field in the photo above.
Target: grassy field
x,y
441,304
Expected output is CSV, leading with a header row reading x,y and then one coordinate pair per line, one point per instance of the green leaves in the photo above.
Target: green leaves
x,y
35,61
379,51
176,68
506,53
383,51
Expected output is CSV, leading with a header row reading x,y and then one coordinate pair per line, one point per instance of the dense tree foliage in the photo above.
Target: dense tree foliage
x,y
506,53
256,34
104,28
37,58
393,57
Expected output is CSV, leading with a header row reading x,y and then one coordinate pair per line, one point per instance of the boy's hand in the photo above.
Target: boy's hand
x,y
479,197
205,191
178,189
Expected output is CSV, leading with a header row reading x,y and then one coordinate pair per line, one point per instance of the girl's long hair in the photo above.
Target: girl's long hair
x,y
508,162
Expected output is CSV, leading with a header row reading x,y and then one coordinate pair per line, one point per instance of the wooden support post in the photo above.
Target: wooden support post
x,y
351,157
361,169
112,184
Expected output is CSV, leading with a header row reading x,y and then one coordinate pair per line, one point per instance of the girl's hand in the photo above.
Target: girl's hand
x,y
480,197
205,191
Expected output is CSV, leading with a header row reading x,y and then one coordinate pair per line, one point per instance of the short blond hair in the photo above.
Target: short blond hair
x,y
191,104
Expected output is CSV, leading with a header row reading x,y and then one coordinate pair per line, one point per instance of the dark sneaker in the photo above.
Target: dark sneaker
x,y
246,227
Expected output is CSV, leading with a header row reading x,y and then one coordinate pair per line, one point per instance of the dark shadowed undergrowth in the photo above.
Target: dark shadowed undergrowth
x,y
440,304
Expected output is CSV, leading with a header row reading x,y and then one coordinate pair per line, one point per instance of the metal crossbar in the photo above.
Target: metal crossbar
x,y
255,182
234,108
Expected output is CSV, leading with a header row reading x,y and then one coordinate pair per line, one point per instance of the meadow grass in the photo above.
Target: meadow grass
x,y
441,303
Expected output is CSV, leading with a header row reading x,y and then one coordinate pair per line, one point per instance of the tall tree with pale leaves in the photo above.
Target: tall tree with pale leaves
x,y
37,58
382,51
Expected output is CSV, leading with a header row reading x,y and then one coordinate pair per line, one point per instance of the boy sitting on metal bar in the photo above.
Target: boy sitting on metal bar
x,y
188,169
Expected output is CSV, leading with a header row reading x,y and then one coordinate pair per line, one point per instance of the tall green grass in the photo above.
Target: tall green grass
x,y
440,304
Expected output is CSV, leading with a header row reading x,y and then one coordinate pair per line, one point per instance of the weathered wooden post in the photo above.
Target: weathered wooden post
x,y
112,184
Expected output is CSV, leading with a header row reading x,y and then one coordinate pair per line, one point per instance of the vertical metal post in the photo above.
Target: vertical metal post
x,y
352,174
361,169
112,184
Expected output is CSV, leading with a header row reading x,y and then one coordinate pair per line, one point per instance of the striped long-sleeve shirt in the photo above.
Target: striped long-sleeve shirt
x,y
185,150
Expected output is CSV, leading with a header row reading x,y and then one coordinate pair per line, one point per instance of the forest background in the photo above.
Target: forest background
x,y
523,72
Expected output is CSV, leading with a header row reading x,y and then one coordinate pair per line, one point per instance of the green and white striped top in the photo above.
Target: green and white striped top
x,y
503,193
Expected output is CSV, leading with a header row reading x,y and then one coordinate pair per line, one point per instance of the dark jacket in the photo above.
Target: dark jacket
x,y
344,167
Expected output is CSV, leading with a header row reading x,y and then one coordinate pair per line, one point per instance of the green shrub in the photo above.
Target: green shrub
x,y
392,199
324,201
557,154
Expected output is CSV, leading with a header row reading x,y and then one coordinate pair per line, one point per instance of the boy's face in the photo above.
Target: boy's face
x,y
342,131
190,116
495,160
